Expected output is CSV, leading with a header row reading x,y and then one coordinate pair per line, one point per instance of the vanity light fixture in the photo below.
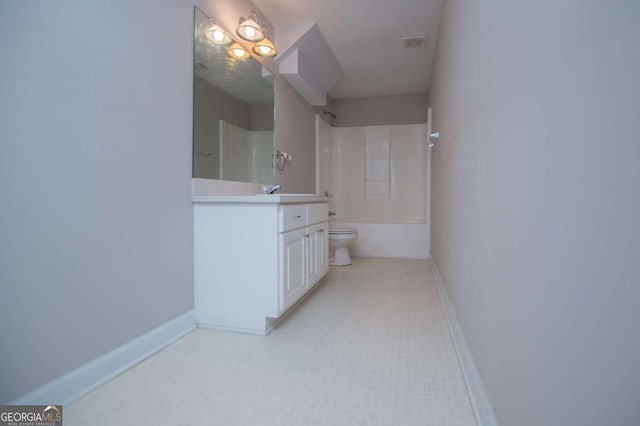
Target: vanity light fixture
x,y
217,34
236,51
249,28
265,47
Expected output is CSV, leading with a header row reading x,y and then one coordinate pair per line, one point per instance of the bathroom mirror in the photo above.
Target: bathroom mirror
x,y
233,111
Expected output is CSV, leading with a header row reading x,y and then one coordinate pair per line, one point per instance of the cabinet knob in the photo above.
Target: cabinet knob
x,y
307,235
298,216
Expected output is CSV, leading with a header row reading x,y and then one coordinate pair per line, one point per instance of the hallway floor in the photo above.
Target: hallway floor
x,y
369,347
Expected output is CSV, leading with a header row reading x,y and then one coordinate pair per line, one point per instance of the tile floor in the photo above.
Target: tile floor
x,y
369,347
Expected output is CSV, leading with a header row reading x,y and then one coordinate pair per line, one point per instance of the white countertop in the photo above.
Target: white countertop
x,y
261,199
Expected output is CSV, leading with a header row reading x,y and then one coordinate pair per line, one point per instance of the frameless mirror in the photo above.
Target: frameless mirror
x,y
233,102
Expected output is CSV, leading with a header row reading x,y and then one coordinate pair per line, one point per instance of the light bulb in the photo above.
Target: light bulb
x,y
265,50
239,53
218,35
250,31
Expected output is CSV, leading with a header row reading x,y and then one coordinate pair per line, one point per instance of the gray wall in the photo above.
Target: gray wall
x,y
295,134
96,228
380,110
536,202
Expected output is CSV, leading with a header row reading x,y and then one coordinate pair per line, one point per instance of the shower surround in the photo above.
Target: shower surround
x,y
377,176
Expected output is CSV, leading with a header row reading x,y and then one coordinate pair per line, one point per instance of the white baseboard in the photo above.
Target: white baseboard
x,y
219,327
80,381
477,394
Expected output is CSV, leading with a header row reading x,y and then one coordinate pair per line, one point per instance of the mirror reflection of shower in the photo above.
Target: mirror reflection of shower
x,y
244,154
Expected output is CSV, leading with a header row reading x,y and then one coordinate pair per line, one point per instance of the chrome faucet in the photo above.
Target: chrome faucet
x,y
271,190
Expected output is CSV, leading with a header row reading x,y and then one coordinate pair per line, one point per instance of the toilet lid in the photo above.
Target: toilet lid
x,y
342,231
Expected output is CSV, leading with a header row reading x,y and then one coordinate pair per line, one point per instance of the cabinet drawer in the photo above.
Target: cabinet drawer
x,y
318,212
293,216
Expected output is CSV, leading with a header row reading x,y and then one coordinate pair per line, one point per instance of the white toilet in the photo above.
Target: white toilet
x,y
339,239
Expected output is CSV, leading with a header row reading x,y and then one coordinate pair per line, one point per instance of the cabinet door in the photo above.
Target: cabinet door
x,y
312,255
318,252
322,251
293,270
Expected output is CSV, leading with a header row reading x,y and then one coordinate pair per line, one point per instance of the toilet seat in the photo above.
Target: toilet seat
x,y
343,234
338,231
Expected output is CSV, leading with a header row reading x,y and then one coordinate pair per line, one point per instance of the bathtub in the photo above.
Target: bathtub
x,y
390,240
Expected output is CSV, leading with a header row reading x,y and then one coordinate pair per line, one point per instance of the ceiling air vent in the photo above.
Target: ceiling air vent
x,y
411,42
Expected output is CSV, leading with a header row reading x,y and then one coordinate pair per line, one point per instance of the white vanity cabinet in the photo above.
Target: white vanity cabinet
x,y
256,256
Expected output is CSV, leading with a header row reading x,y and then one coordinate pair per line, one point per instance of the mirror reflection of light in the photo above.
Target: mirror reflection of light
x,y
236,51
218,35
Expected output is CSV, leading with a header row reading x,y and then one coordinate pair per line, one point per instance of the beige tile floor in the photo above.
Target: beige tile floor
x,y
369,347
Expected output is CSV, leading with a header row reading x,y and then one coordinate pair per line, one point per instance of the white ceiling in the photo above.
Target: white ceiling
x,y
366,37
